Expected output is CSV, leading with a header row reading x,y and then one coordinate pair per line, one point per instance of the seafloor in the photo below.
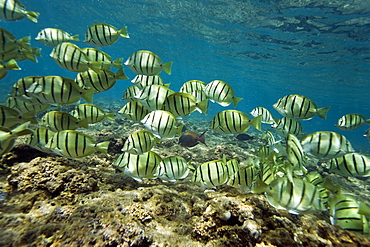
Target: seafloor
x,y
47,200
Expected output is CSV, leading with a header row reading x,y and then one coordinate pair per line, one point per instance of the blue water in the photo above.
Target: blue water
x,y
264,49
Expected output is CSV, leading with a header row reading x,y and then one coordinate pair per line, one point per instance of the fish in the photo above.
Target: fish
x,y
102,34
233,122
24,107
70,57
173,168
162,124
134,111
298,196
9,43
183,104
101,56
191,139
299,107
351,165
285,126
54,36
243,178
326,144
221,93
131,92
138,166
20,54
244,137
232,166
142,81
9,117
192,85
295,154
147,63
92,113
351,121
39,138
19,89
4,68
54,90
139,142
152,97
58,121
12,10
211,174
100,81
74,144
316,179
267,117
367,134
8,136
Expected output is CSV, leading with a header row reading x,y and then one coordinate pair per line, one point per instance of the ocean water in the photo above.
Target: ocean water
x,y
263,49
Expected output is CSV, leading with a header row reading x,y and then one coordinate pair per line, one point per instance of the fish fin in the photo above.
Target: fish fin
x,y
167,84
367,121
32,15
120,75
321,112
21,130
30,55
363,209
329,185
123,32
12,65
236,100
179,130
259,187
102,147
202,106
25,43
88,94
118,63
256,122
110,115
95,66
167,67
83,123
29,117
75,38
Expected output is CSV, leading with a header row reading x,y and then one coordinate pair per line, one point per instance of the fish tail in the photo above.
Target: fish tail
x,y
110,115
32,15
236,100
25,43
179,130
323,111
117,63
367,121
203,106
103,147
21,130
167,67
29,117
12,65
95,66
88,94
123,32
256,122
83,123
120,74
259,186
75,38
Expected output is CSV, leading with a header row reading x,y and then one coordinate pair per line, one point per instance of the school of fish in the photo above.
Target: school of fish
x,y
277,169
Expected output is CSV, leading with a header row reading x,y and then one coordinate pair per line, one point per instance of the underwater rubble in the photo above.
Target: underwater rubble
x,y
48,200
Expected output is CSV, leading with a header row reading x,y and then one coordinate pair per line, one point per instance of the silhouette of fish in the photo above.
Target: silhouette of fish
x,y
243,137
191,139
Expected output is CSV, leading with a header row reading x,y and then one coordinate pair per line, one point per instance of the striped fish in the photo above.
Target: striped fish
x,y
100,81
351,121
102,34
351,164
100,56
134,111
147,63
12,10
285,126
54,36
138,166
4,68
173,168
8,41
139,142
20,54
74,144
70,57
298,197
20,87
316,179
91,113
326,144
193,85
130,93
8,137
24,107
295,154
55,90
182,104
9,117
243,178
153,97
58,121
221,93
39,138
266,115
232,166
233,122
211,174
142,81
299,107
162,124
